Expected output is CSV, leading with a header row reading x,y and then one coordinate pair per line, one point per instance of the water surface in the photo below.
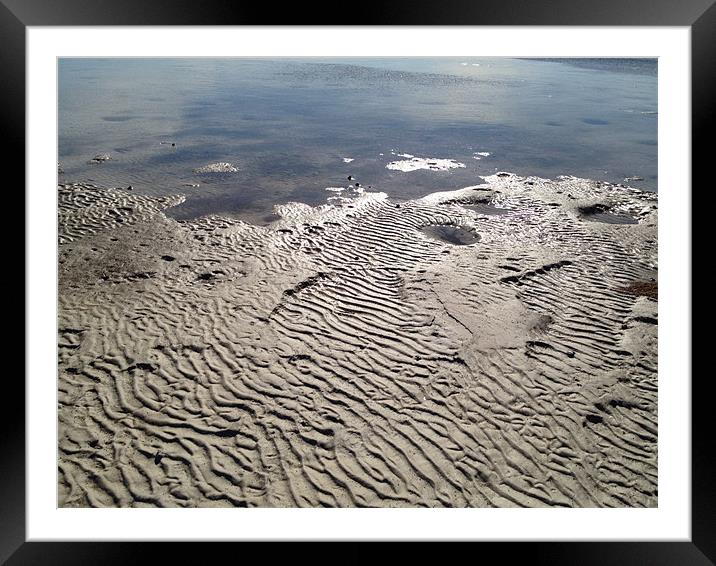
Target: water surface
x,y
294,127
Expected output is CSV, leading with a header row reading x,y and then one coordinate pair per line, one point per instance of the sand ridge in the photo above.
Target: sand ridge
x,y
341,357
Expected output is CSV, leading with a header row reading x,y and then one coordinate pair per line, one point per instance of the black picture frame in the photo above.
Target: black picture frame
x,y
699,15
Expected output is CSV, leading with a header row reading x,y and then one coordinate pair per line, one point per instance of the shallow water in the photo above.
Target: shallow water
x,y
611,218
488,209
290,126
451,234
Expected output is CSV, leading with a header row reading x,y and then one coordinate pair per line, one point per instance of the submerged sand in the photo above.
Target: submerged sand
x,y
344,357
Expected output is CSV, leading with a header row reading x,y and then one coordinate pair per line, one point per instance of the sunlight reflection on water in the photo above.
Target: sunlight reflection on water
x,y
288,125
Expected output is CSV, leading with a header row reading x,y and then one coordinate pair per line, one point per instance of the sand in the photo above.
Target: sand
x,y
344,357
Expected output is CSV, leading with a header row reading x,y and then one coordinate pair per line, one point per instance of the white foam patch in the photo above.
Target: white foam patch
x,y
347,159
430,163
345,194
481,154
338,200
221,167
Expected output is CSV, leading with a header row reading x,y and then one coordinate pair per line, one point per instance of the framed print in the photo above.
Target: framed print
x,y
393,279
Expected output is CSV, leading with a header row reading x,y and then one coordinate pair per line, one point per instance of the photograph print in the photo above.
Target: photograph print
x,y
357,282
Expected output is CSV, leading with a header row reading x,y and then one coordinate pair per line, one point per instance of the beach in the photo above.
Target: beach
x,y
489,346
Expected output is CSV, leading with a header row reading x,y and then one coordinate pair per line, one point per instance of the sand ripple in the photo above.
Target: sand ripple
x,y
344,358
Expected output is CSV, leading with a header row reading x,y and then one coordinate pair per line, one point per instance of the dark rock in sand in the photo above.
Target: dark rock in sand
x,y
641,288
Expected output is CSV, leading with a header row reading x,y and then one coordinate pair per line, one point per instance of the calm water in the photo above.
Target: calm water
x,y
288,124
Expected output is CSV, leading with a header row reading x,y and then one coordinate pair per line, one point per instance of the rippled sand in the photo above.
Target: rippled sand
x,y
343,357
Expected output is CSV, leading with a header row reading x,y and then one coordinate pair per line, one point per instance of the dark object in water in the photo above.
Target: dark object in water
x,y
357,184
130,188
451,234
350,177
595,121
174,145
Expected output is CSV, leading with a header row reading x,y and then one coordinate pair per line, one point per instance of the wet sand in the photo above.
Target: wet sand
x,y
342,357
